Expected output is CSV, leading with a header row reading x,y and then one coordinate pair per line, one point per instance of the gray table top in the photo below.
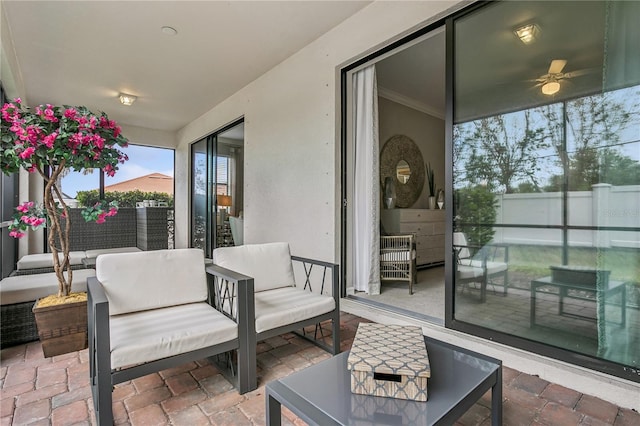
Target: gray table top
x,y
458,379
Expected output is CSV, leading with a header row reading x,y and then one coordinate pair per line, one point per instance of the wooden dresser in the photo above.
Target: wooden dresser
x,y
427,225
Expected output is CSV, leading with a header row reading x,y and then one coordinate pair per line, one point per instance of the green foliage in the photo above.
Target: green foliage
x,y
124,199
598,166
431,181
475,214
58,137
502,153
100,211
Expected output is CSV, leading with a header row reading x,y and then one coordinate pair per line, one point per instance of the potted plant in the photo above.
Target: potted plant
x,y
431,181
51,140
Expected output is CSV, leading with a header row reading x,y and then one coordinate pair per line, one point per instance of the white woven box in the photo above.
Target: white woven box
x,y
389,361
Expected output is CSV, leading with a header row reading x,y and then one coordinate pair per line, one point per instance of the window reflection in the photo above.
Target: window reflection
x,y
549,185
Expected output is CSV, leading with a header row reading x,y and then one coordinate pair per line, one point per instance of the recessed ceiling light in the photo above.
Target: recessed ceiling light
x,y
170,31
527,33
126,99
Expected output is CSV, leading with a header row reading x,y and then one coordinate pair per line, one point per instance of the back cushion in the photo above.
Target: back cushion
x,y
152,279
459,239
268,264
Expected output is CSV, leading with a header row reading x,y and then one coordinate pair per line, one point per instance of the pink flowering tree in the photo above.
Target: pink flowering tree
x,y
50,140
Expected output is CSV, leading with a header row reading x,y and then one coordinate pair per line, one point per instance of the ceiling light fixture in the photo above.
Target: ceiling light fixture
x,y
527,33
127,100
551,87
170,31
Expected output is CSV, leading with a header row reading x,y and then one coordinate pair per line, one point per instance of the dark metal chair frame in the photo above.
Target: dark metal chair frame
x,y
333,315
103,377
487,253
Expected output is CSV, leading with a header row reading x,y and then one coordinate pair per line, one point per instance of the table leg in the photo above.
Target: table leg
x,y
274,411
496,400
532,310
563,293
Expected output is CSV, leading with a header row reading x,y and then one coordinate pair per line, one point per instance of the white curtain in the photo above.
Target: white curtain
x,y
366,197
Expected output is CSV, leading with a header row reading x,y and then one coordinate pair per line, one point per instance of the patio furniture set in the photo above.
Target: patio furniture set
x,y
150,311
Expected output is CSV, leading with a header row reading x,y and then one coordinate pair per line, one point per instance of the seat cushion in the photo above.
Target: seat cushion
x,y
268,264
150,335
27,288
45,260
468,268
152,279
287,305
97,252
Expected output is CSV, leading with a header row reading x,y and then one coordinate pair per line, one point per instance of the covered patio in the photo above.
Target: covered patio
x,y
55,391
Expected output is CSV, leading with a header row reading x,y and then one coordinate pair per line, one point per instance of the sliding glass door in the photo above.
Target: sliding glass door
x,y
546,179
217,188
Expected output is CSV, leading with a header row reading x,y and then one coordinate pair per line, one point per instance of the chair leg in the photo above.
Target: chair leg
x,y
102,400
335,332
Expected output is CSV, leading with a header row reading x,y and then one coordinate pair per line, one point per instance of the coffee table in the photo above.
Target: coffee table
x,y
321,394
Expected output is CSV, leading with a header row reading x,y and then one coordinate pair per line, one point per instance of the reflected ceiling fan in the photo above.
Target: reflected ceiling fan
x,y
550,82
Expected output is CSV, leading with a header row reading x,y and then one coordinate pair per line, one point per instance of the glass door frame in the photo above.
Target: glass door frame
x,y
211,224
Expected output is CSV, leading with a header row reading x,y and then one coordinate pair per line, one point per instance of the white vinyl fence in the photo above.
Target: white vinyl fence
x,y
604,205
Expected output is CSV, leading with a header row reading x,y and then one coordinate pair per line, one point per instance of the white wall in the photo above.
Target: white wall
x,y
292,143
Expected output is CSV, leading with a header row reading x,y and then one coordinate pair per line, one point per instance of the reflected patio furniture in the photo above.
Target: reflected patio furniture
x,y
581,283
398,259
481,264
155,310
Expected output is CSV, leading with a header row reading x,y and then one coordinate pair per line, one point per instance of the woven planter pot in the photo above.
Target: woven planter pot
x,y
62,328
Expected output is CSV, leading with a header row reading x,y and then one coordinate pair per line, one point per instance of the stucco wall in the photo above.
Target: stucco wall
x,y
292,133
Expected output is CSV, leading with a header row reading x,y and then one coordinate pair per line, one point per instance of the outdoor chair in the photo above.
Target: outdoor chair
x,y
154,310
282,303
398,259
475,264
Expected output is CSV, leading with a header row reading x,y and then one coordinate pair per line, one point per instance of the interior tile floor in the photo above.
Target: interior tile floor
x,y
55,391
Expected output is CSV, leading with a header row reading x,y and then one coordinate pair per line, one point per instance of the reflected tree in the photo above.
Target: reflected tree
x,y
586,134
505,151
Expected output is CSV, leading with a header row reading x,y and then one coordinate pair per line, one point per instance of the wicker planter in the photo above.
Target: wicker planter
x,y
62,328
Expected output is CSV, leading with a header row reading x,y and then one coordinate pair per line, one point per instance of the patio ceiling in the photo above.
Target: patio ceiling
x,y
85,53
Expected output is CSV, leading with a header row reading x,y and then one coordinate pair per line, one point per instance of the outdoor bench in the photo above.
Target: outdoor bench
x,y
18,294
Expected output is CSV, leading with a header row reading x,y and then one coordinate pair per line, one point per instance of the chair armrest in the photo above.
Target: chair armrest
x,y
98,328
335,275
226,285
496,247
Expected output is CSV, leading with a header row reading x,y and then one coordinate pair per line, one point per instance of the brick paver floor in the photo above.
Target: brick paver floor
x,y
55,391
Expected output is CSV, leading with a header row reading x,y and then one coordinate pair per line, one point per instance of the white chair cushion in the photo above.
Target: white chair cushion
x,y
27,288
45,260
97,252
268,264
152,279
473,268
460,240
287,305
150,335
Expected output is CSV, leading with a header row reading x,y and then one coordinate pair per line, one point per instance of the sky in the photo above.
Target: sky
x,y
142,161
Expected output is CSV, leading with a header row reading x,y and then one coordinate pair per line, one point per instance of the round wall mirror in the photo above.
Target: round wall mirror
x,y
403,172
401,159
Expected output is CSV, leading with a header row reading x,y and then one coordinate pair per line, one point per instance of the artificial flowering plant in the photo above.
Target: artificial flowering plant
x,y
49,140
